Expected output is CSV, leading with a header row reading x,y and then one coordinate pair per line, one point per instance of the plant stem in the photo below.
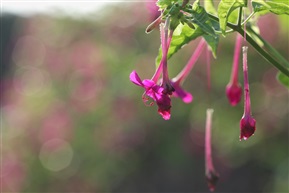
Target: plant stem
x,y
271,49
247,105
260,50
240,16
208,147
247,19
238,45
187,69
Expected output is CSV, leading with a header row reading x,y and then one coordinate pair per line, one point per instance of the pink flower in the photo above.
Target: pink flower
x,y
234,93
181,93
155,92
234,89
247,123
211,174
179,79
248,126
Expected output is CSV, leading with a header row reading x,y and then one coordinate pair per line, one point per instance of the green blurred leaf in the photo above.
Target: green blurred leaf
x,y
283,79
183,34
278,8
164,3
212,41
201,18
225,8
209,6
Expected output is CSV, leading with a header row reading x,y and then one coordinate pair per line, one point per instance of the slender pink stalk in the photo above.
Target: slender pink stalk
x,y
247,123
233,89
208,59
211,175
247,106
245,30
186,70
159,70
238,45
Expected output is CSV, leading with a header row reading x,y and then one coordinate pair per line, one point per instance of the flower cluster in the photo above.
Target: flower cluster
x,y
160,89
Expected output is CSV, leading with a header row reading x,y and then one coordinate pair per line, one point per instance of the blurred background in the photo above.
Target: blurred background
x,y
71,121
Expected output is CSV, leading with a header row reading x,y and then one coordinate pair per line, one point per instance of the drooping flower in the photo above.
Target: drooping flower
x,y
248,126
247,123
178,80
234,89
211,174
159,93
181,93
155,92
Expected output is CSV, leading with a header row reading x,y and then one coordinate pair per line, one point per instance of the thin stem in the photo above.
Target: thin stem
x,y
235,69
208,147
226,32
247,106
208,60
160,68
271,49
247,19
240,16
165,51
262,52
186,70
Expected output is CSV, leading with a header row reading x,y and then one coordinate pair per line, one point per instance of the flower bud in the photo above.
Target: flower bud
x,y
234,93
247,126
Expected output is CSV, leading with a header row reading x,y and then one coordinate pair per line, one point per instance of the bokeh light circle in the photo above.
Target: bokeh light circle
x,y
28,51
31,81
56,154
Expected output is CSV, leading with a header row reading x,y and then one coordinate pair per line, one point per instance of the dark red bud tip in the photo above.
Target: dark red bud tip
x,y
247,126
234,93
212,179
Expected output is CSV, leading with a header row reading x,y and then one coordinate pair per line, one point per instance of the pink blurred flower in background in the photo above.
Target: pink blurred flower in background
x,y
153,9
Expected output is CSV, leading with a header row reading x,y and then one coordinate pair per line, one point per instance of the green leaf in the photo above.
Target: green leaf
x,y
283,79
164,3
212,41
278,8
182,35
225,8
209,6
201,18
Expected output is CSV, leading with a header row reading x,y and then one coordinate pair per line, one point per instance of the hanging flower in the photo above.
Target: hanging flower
x,y
247,123
234,89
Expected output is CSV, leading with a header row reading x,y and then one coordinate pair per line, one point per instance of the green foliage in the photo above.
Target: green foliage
x,y
283,79
209,6
183,34
190,21
201,18
164,3
225,8
278,8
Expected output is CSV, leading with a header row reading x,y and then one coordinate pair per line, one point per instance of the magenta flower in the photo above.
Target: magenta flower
x,y
211,174
159,93
234,89
155,92
247,123
234,93
181,93
153,9
248,126
178,80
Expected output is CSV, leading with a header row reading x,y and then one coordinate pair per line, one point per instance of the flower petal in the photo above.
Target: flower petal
x,y
134,78
181,93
